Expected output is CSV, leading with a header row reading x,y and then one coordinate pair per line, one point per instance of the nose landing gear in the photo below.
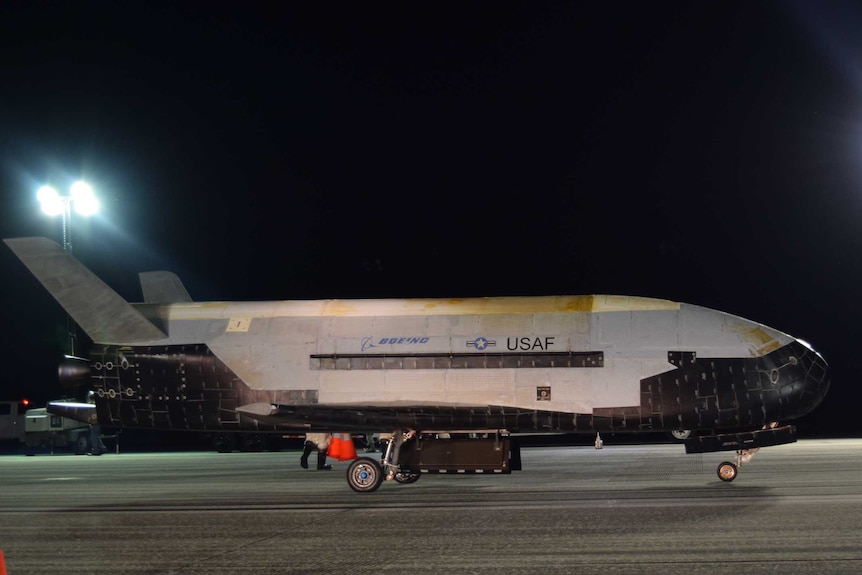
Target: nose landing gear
x,y
728,471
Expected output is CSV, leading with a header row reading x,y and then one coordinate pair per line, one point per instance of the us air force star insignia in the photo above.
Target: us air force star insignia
x,y
481,343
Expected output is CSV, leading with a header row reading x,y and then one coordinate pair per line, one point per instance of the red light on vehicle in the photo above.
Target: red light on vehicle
x,y
25,402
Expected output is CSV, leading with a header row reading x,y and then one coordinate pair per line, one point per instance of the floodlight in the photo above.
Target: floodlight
x,y
51,202
83,199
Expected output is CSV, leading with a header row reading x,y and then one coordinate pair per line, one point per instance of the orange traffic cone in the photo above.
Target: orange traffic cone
x,y
348,450
2,564
334,450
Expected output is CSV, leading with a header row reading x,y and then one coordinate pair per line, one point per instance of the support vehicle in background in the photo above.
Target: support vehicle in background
x,y
43,430
12,421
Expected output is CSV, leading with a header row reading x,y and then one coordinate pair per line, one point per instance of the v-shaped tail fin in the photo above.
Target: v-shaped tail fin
x,y
100,311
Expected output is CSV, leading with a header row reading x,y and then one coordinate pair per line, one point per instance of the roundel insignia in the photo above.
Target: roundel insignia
x,y
481,343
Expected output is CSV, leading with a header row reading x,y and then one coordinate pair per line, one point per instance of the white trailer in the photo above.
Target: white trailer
x,y
43,430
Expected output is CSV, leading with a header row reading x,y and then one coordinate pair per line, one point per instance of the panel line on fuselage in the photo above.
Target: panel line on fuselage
x,y
372,361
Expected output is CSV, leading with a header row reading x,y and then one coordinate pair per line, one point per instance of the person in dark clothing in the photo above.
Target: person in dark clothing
x,y
319,442
96,445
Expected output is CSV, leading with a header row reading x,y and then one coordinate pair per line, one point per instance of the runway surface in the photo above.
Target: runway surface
x,y
624,509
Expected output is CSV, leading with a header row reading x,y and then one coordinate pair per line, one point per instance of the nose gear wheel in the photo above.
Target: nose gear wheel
x,y
727,471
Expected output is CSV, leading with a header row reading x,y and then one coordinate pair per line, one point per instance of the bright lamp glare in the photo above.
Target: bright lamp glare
x,y
52,203
83,199
87,207
81,191
47,193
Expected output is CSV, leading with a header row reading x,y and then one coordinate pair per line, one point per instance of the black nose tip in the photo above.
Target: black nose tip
x,y
816,372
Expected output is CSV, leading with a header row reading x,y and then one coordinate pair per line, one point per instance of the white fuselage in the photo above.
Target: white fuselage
x,y
269,345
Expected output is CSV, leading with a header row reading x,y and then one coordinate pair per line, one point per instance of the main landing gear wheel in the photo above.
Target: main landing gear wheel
x,y
727,471
680,434
364,475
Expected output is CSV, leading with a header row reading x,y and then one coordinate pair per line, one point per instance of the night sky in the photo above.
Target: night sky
x,y
704,152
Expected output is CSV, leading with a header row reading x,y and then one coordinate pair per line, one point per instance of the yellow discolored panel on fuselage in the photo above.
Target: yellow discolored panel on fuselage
x,y
496,305
764,342
419,307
